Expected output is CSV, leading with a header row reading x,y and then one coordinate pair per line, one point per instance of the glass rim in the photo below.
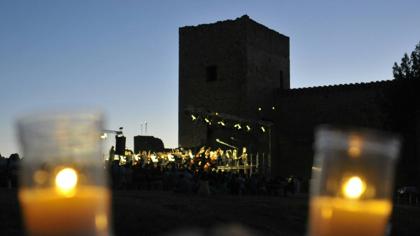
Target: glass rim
x,y
51,115
331,137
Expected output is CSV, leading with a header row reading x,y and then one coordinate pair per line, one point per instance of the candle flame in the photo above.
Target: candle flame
x,y
354,187
66,181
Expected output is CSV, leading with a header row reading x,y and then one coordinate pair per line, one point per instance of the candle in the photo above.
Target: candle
x,y
63,185
66,208
349,215
338,216
352,180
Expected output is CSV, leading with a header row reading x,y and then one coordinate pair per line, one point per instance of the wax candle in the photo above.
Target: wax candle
x,y
336,216
348,214
63,184
66,208
352,179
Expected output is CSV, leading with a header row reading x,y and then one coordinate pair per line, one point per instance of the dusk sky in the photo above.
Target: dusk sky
x,y
122,56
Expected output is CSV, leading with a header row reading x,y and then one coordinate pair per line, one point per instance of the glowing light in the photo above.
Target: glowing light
x,y
221,123
104,136
193,117
101,221
207,121
326,213
248,128
355,144
273,108
315,168
263,129
259,109
66,181
226,144
171,158
354,187
238,126
40,177
154,158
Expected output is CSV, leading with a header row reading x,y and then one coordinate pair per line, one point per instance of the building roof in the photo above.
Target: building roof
x,y
244,18
340,87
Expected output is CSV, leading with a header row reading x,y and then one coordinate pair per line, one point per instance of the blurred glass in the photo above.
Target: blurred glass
x,y
352,181
63,185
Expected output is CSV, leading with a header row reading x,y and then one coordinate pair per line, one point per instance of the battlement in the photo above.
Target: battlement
x,y
339,87
243,19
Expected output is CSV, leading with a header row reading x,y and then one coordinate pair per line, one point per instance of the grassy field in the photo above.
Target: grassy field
x,y
166,213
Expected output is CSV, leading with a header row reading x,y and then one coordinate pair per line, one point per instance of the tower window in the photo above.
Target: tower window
x,y
211,73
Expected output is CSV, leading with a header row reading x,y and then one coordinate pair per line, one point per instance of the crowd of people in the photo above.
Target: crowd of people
x,y
204,172
205,159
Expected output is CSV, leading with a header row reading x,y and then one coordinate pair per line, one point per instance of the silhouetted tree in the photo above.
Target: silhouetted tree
x,y
409,67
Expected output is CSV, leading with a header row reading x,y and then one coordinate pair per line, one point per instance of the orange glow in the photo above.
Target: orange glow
x,y
47,212
337,216
355,146
354,187
40,177
101,221
66,181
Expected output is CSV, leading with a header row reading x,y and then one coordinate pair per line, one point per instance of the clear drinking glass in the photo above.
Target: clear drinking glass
x,y
352,182
63,185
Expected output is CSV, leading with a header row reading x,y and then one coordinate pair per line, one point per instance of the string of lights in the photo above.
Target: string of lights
x,y
228,121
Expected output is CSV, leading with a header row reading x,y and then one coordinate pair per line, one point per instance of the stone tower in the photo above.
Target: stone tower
x,y
232,67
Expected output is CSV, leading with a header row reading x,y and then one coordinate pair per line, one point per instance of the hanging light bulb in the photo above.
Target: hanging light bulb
x,y
248,128
207,121
263,129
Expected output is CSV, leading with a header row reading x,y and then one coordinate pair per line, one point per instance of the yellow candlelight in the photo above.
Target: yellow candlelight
x,y
349,215
351,185
337,216
354,187
65,181
355,146
67,208
63,185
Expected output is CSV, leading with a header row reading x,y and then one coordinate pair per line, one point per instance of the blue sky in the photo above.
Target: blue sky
x,y
122,56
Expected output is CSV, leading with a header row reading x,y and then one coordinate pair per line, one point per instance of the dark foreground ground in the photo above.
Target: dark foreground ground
x,y
165,213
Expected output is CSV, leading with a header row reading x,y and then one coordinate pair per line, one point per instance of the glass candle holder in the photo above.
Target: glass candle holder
x,y
352,182
63,185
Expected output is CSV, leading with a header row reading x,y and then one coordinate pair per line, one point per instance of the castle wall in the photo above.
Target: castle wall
x,y
221,45
387,105
268,66
249,58
252,65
